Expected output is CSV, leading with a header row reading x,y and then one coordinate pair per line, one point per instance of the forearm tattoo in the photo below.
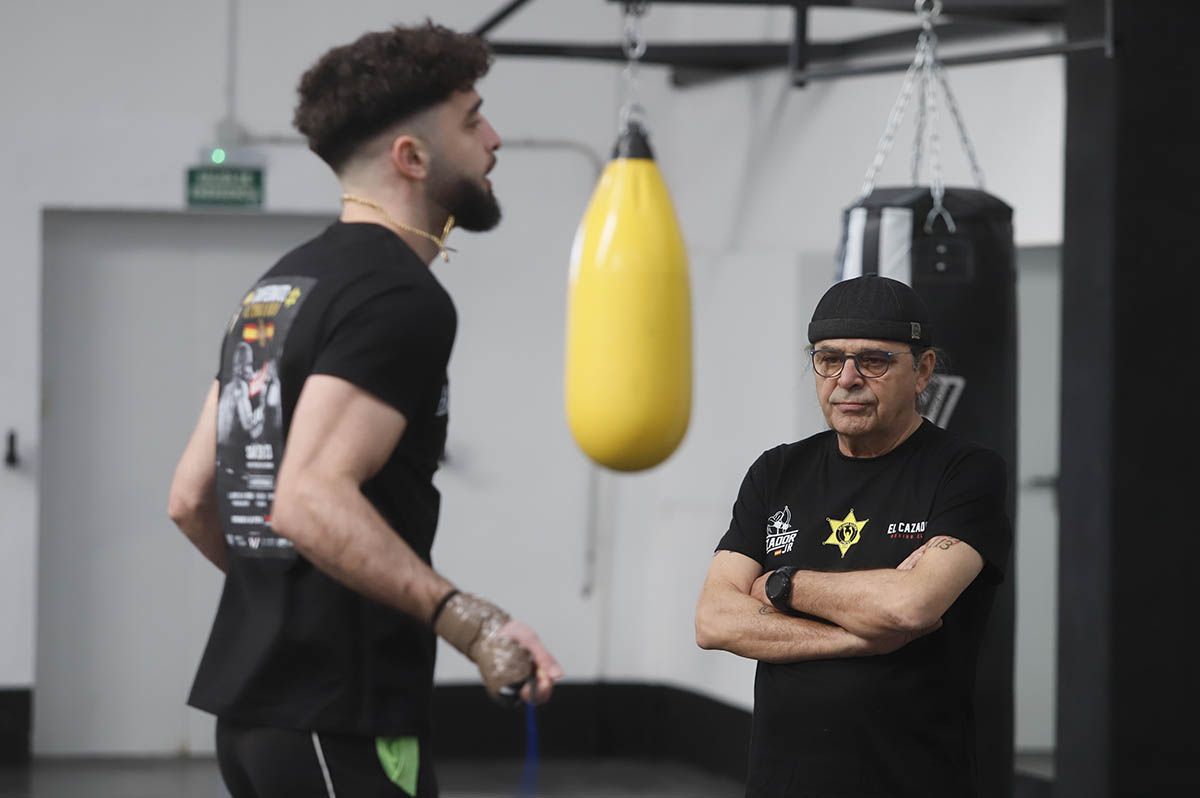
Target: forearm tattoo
x,y
945,543
765,610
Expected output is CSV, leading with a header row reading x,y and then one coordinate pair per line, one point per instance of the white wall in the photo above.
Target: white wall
x,y
132,309
105,106
1039,297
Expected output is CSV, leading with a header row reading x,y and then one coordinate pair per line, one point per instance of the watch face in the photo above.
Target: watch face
x,y
776,584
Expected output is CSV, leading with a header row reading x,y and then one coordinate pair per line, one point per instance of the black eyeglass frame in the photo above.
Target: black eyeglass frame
x,y
891,358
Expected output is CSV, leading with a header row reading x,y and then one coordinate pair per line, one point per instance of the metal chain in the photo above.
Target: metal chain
x,y
919,136
888,139
634,47
938,184
927,11
952,104
635,43
928,74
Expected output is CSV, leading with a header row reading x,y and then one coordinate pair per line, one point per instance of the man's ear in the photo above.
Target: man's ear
x,y
409,156
925,367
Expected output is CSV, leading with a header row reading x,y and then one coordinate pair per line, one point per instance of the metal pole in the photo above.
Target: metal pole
x,y
504,13
231,35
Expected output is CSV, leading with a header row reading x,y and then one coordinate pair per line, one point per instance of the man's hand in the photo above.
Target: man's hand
x,y
508,653
546,670
894,641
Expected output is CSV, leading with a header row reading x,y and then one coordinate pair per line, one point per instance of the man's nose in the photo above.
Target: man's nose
x,y
850,377
493,142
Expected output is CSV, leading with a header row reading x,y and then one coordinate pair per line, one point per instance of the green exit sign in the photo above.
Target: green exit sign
x,y
224,186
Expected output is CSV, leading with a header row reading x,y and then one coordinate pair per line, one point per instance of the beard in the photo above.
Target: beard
x,y
473,206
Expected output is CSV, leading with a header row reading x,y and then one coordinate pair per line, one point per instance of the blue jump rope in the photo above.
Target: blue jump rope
x,y
529,772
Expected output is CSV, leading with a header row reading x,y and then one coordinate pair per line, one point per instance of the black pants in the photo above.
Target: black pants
x,y
261,762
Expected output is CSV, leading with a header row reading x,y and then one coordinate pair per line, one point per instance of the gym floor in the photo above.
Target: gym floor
x,y
198,778
560,778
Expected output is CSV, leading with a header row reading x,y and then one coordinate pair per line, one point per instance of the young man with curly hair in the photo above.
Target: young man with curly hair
x,y
319,666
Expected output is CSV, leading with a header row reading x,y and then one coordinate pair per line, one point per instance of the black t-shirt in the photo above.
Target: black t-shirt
x,y
291,647
901,724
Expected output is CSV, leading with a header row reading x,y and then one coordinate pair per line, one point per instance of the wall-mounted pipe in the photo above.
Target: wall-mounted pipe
x,y
11,460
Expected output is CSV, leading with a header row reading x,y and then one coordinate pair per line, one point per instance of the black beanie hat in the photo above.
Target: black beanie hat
x,y
871,307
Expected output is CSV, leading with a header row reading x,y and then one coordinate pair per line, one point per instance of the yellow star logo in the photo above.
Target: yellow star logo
x,y
846,532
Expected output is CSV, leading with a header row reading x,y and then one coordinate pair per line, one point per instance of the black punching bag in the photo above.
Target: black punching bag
x,y
964,269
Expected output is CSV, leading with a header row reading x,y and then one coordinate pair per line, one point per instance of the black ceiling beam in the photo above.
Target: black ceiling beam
x,y
720,57
986,57
960,31
684,77
703,62
1027,11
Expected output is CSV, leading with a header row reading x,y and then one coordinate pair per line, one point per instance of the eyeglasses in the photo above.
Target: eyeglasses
x,y
869,362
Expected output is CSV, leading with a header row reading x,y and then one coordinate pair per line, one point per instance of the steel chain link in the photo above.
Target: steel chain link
x,y
634,47
927,74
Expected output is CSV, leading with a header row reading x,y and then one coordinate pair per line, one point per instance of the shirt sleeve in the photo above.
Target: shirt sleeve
x,y
394,345
746,527
971,506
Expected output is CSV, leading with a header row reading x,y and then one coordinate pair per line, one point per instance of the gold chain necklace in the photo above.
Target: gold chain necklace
x,y
443,250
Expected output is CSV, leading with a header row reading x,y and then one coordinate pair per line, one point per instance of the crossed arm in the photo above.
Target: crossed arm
x,y
868,612
906,599
729,618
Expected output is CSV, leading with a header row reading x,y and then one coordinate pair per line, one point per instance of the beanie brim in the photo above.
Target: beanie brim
x,y
910,332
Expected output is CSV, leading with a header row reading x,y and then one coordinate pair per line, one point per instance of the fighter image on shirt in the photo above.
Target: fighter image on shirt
x,y
250,397
250,433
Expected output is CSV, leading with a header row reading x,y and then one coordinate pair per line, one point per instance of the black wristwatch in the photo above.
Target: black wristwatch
x,y
779,587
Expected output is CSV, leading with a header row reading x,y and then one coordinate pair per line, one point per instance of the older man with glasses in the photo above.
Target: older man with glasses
x,y
859,569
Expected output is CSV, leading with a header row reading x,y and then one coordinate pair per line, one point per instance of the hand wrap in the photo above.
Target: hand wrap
x,y
472,625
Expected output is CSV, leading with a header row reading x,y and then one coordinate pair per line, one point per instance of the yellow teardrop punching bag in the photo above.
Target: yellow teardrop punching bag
x,y
629,326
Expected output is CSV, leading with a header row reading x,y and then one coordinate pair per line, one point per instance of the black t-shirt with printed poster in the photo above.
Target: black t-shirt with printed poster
x,y
291,647
895,725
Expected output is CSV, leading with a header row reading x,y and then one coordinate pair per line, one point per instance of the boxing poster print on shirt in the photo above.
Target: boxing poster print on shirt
x,y
250,415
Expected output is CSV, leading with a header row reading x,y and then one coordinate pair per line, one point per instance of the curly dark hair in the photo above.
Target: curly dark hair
x,y
358,90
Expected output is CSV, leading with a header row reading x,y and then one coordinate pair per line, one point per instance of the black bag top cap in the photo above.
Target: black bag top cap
x,y
871,307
